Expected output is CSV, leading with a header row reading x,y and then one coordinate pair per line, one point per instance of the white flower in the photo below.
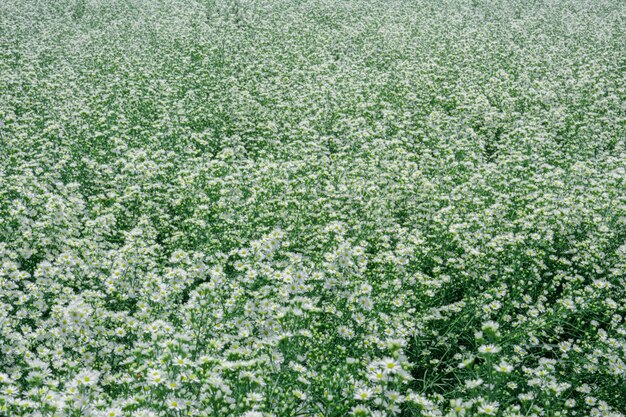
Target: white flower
x,y
395,396
489,349
490,326
113,412
175,404
473,383
155,377
252,414
360,411
88,377
299,394
363,393
390,365
503,367
378,375
489,409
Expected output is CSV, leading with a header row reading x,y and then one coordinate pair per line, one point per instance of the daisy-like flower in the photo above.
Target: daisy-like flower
x,y
175,404
113,412
589,400
360,411
489,349
358,251
155,377
473,383
378,375
299,394
10,391
394,396
88,377
489,409
254,397
490,326
460,407
252,413
181,361
390,365
363,393
503,367
345,332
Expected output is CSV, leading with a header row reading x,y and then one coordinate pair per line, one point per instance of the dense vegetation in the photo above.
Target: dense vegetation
x,y
312,208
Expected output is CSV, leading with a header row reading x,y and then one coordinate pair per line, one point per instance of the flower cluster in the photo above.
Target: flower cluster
x,y
273,208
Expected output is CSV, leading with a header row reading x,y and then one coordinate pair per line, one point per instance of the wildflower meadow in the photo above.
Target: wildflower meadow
x,y
323,208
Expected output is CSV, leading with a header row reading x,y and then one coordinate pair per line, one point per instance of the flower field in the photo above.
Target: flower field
x,y
282,208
